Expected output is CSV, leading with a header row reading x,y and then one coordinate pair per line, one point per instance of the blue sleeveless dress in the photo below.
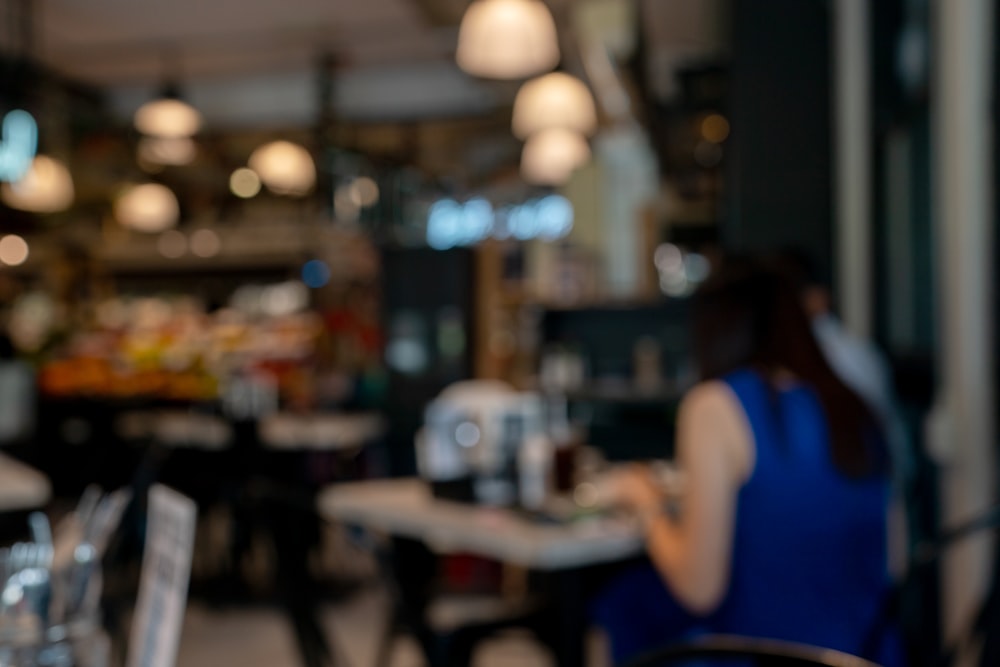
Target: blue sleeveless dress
x,y
809,550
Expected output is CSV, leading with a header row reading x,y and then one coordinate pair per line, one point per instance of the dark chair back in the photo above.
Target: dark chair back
x,y
730,650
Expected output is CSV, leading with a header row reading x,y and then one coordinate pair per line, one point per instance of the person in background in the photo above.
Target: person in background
x,y
863,368
780,532
857,361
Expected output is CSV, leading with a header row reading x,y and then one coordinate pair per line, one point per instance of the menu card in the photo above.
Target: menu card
x,y
163,585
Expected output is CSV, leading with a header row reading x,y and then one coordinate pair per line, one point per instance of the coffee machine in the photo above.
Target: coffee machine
x,y
473,435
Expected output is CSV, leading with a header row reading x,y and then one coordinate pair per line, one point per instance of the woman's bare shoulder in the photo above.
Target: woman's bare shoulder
x,y
712,409
709,396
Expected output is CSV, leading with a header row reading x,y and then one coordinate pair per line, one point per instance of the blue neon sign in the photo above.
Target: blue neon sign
x,y
451,224
19,145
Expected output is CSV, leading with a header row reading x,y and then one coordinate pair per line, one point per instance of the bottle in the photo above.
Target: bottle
x,y
534,457
534,468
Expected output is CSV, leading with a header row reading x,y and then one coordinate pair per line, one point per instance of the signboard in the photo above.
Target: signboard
x,y
166,570
18,144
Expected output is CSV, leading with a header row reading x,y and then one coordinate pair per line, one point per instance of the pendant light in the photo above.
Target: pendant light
x,y
507,39
33,182
554,100
149,208
551,156
167,118
46,187
284,167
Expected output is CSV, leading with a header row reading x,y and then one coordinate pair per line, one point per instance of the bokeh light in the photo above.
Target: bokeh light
x,y
149,207
244,183
507,39
172,244
13,250
451,224
284,298
345,205
285,168
364,192
669,258
47,187
315,273
167,117
715,128
205,243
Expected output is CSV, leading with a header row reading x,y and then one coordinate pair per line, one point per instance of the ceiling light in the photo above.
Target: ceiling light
x,y
285,168
47,187
554,100
550,156
507,39
147,208
168,118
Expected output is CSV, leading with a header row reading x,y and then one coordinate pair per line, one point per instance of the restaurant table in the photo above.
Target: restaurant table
x,y
21,486
296,454
321,432
405,508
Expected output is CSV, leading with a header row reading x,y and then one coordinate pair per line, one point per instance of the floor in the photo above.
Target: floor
x,y
260,637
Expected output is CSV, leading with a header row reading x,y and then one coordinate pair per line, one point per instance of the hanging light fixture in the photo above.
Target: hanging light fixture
x,y
149,207
285,168
550,156
46,187
554,100
168,117
507,39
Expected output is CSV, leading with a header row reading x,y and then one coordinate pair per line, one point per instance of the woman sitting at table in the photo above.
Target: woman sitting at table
x,y
781,530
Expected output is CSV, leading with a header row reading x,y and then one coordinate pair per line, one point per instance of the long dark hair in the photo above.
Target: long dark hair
x,y
749,315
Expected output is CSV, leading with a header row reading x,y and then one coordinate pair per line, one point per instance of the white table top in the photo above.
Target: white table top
x,y
21,486
406,508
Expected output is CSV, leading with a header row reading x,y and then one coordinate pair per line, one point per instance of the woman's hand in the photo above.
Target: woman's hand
x,y
637,489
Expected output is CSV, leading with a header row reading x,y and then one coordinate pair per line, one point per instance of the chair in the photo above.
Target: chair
x,y
725,650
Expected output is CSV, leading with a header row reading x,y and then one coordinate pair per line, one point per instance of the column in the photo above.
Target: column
x,y
962,426
852,150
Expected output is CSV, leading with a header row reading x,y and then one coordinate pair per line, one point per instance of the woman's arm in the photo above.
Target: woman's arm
x,y
714,449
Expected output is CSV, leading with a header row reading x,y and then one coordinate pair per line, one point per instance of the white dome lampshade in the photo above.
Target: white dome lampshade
x,y
551,156
554,100
285,168
507,39
46,187
167,118
149,207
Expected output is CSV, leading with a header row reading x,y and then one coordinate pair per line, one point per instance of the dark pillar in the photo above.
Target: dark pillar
x,y
779,181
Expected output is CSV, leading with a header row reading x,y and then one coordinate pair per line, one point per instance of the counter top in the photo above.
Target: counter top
x,y
21,486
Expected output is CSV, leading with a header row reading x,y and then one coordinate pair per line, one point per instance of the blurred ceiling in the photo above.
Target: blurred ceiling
x,y
254,62
121,42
